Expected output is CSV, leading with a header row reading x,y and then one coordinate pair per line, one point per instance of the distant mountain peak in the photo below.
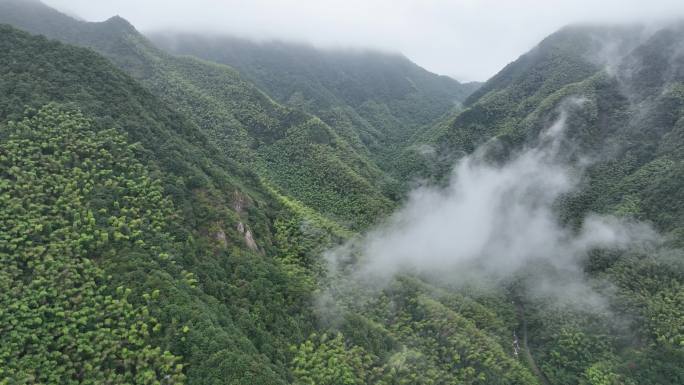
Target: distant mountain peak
x,y
120,22
116,19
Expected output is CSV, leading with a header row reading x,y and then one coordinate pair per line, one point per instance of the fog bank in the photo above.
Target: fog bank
x,y
493,221
465,39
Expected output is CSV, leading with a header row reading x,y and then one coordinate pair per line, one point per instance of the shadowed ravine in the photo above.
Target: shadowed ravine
x,y
528,355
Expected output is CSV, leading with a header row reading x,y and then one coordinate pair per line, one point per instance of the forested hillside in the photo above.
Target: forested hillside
x,y
376,100
167,219
628,129
168,212
220,306
301,156
630,124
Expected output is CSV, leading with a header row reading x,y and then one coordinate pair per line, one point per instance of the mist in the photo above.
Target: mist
x,y
493,221
465,39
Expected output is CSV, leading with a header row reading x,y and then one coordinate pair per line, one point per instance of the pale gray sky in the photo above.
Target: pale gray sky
x,y
466,39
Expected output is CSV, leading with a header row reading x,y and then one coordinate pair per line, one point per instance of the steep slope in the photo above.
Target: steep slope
x,y
169,224
132,195
377,100
297,153
502,104
229,313
619,90
60,321
174,187
632,106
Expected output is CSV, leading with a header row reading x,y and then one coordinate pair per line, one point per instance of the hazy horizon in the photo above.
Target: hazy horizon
x,y
466,39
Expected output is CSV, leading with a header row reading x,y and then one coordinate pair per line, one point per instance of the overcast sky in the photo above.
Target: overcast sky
x,y
465,39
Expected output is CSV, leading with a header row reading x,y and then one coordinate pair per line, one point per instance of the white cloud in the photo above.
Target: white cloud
x,y
467,39
494,221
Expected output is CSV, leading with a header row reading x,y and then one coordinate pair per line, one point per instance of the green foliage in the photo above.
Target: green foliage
x,y
325,360
240,307
375,101
298,154
630,127
413,333
241,122
208,205
60,322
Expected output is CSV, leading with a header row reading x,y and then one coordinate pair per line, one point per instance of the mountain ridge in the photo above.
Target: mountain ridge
x,y
209,210
227,113
379,100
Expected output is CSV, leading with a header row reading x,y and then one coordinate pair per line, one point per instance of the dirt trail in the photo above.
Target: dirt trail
x,y
528,355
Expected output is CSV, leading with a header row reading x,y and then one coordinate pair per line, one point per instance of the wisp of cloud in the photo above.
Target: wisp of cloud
x,y
491,220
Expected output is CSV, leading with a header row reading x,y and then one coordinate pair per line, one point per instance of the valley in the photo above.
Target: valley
x,y
205,209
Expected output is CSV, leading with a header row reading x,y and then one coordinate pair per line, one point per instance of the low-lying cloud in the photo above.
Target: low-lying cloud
x,y
492,220
466,39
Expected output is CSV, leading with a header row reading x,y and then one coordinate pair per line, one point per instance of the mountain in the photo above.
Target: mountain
x,y
299,155
169,219
376,100
634,101
170,237
619,93
169,210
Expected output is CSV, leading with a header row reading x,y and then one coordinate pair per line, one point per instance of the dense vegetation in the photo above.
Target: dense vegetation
x,y
162,220
629,125
71,196
240,120
376,101
214,203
